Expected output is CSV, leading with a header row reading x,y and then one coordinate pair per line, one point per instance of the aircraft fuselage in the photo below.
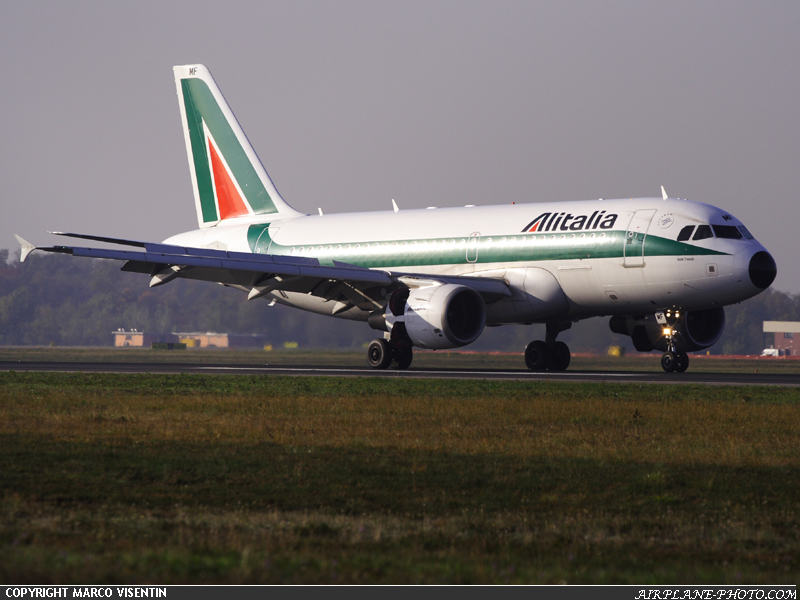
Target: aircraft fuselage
x,y
609,257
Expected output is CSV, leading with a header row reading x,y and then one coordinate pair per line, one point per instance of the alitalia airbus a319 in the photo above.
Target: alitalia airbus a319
x,y
661,268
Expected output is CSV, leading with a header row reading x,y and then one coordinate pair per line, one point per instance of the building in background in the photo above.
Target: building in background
x,y
783,333
144,339
136,338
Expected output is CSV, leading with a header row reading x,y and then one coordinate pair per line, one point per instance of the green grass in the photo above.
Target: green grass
x,y
245,479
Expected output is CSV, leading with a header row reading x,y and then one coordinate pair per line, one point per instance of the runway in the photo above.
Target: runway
x,y
577,376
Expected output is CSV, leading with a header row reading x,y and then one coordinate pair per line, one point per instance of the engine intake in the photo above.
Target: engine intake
x,y
698,329
703,328
436,316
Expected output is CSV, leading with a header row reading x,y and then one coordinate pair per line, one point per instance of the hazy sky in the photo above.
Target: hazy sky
x,y
351,104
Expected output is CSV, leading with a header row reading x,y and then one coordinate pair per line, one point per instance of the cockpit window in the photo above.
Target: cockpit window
x,y
728,232
703,232
685,233
747,235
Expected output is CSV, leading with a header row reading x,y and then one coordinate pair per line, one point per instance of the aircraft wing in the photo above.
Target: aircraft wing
x,y
259,274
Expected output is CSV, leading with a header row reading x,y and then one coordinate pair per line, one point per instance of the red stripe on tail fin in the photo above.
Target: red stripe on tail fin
x,y
228,199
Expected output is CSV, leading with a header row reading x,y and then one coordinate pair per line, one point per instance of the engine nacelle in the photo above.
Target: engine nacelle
x,y
697,329
435,317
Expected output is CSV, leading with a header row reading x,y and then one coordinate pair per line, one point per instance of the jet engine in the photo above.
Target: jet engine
x,y
435,317
695,329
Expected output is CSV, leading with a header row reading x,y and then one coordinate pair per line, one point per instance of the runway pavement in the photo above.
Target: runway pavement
x,y
656,377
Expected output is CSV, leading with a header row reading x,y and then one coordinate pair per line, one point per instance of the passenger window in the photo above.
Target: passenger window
x,y
686,233
703,232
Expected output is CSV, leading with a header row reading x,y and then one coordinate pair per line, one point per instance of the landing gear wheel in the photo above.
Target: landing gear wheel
x,y
536,356
558,357
669,362
379,354
402,358
683,362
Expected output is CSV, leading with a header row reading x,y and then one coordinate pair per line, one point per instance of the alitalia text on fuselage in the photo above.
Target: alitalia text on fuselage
x,y
563,221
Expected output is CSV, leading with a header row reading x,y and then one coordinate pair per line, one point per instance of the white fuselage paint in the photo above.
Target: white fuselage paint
x,y
594,285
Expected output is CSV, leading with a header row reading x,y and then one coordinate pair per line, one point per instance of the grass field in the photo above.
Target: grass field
x,y
239,479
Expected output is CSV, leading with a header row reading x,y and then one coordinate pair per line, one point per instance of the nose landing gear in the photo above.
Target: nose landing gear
x,y
676,362
672,360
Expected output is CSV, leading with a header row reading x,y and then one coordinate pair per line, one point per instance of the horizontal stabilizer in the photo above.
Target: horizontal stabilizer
x,y
100,238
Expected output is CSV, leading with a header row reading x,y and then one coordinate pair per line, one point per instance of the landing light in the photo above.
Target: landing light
x,y
667,331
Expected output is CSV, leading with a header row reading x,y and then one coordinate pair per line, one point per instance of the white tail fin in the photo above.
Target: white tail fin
x,y
228,178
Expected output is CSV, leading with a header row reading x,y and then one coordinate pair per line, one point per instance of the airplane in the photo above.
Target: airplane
x,y
661,269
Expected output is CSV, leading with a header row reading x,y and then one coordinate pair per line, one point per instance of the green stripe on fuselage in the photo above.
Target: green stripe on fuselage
x,y
202,107
491,249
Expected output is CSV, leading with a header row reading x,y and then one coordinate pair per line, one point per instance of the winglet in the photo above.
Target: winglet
x,y
664,193
26,248
394,205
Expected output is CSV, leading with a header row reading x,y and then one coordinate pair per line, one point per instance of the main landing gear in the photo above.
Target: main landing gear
x,y
672,361
382,354
549,355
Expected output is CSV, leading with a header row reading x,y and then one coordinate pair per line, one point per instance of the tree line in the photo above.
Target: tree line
x,y
55,300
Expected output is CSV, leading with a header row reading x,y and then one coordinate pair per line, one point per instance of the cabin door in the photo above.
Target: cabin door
x,y
635,236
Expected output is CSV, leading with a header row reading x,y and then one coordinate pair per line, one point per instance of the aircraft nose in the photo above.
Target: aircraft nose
x,y
762,269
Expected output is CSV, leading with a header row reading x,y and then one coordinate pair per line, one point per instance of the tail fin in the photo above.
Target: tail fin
x,y
228,178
